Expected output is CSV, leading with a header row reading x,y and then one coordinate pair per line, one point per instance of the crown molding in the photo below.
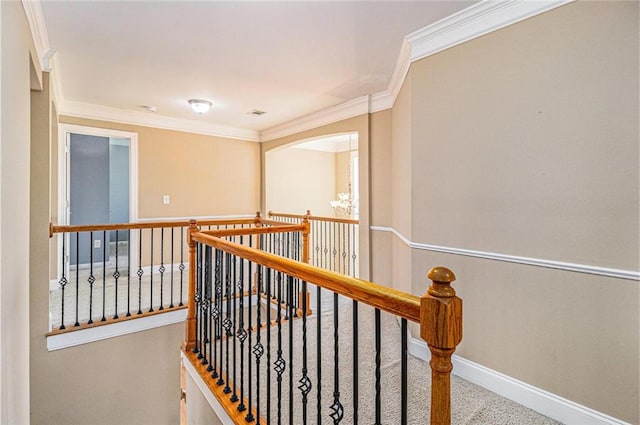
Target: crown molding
x,y
343,111
474,21
477,20
33,11
147,119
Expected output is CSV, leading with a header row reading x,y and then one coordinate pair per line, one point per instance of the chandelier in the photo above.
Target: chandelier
x,y
345,205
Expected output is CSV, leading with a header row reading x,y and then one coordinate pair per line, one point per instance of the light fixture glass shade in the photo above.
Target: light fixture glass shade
x,y
200,106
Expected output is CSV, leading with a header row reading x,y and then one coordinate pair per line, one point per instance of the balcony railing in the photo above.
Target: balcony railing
x,y
270,360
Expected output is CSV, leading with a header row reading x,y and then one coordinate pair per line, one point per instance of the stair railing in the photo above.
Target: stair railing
x,y
334,241
252,352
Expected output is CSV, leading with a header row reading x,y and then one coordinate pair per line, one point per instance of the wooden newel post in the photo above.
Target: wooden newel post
x,y
441,328
258,220
305,237
305,259
190,328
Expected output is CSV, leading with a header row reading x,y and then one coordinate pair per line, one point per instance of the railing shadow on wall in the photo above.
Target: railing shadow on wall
x,y
267,359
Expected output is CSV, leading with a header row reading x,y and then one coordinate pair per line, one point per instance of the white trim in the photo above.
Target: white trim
x,y
330,115
35,17
476,20
217,408
84,336
63,177
537,262
147,119
197,217
544,402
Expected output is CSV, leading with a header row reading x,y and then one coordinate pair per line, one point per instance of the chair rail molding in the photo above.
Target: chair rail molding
x,y
537,262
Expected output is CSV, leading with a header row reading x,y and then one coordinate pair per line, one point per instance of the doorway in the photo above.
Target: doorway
x,y
98,185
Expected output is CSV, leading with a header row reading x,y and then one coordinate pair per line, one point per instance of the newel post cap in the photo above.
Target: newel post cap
x,y
441,278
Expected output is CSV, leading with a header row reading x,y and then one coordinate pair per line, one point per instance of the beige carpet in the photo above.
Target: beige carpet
x,y
471,404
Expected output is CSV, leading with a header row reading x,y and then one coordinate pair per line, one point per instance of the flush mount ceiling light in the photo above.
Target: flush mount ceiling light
x,y
200,106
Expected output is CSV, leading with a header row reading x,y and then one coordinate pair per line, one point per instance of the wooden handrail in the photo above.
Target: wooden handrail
x,y
314,217
255,230
142,225
390,300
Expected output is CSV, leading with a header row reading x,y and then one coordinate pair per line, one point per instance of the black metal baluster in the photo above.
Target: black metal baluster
x,y
249,417
241,332
349,246
354,247
234,396
325,250
63,279
334,251
140,273
197,299
355,363
319,352
161,269
337,411
305,382
172,249
227,322
181,266
344,251
105,245
128,272
206,301
215,311
151,274
280,364
378,350
268,362
404,368
78,272
258,349
316,241
116,275
290,308
91,279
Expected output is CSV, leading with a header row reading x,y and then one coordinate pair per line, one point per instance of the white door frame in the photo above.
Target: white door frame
x,y
64,130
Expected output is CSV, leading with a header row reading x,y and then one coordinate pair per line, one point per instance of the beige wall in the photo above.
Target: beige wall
x,y
15,78
525,142
300,179
343,172
380,173
131,379
204,175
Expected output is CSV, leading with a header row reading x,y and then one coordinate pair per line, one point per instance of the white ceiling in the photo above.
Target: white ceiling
x,y
286,58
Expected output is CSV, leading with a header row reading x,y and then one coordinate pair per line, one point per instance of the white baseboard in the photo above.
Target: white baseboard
x,y
544,402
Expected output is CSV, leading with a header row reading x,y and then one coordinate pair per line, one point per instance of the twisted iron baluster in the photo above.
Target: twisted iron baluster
x,y
116,275
91,279
181,267
337,411
280,364
104,275
140,273
63,279
151,274
161,269
171,303
305,382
